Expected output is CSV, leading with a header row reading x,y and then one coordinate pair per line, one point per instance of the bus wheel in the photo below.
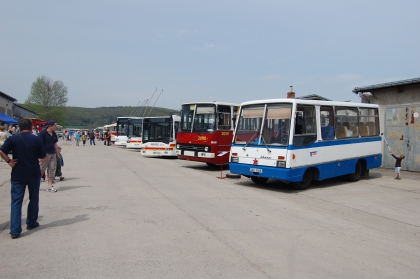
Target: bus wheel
x,y
211,165
355,176
306,181
259,180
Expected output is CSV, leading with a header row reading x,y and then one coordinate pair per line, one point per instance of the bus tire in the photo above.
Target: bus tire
x,y
210,165
233,175
357,174
304,184
259,180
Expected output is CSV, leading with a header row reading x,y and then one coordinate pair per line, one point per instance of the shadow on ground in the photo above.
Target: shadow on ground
x,y
279,186
58,223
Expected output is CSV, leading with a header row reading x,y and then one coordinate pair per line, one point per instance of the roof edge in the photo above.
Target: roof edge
x,y
385,85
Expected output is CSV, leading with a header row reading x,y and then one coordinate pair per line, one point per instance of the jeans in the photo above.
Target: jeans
x,y
92,140
17,193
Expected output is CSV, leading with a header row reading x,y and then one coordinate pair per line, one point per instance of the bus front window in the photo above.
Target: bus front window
x,y
187,113
204,119
276,125
249,126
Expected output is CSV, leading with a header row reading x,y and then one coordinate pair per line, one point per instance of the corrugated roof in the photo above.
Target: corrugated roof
x,y
386,85
313,97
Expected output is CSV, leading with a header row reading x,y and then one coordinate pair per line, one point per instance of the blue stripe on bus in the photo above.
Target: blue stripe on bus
x,y
326,170
316,144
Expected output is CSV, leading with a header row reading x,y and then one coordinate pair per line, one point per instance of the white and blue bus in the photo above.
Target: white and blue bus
x,y
297,141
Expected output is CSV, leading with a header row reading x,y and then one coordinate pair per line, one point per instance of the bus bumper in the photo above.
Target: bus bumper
x,y
289,175
198,154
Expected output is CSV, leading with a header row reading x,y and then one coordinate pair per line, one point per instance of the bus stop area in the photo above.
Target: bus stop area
x,y
118,214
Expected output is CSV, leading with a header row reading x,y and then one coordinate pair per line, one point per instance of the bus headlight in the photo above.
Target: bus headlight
x,y
281,164
234,159
177,146
206,149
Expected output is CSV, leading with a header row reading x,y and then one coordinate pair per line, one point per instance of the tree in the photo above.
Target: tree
x,y
48,98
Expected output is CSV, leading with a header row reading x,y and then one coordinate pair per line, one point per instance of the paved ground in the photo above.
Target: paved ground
x,y
120,215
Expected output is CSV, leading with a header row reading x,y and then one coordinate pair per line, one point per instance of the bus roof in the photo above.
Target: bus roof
x,y
210,103
174,116
311,102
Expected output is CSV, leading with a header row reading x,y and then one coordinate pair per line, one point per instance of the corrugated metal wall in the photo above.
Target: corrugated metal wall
x,y
402,131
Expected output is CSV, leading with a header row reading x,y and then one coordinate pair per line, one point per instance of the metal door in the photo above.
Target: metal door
x,y
402,131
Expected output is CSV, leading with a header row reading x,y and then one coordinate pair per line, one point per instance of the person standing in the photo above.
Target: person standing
x,y
3,135
77,137
108,137
92,137
84,139
398,165
50,139
60,164
27,149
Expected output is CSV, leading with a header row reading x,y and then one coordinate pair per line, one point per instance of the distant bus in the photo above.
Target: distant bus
x,y
124,130
159,134
113,129
206,131
59,131
135,129
299,141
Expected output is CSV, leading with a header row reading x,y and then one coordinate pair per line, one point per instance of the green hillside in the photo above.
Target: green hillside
x,y
95,117
86,118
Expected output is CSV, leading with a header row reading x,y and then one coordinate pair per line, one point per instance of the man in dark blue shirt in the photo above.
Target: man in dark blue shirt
x,y
50,139
26,149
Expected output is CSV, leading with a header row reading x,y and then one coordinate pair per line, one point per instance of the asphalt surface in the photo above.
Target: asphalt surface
x,y
120,215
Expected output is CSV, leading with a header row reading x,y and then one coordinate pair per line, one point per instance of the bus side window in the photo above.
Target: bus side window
x,y
305,126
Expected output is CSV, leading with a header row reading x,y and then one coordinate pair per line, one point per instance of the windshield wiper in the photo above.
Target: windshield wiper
x,y
252,137
265,142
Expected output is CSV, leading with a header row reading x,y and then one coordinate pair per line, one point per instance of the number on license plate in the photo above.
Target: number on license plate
x,y
256,170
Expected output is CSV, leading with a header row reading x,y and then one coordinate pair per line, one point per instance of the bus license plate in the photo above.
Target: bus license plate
x,y
255,170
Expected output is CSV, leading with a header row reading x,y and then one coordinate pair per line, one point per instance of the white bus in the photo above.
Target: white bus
x,y
299,141
113,129
124,130
159,135
59,131
135,127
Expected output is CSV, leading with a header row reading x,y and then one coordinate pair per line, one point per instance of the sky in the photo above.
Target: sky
x,y
118,53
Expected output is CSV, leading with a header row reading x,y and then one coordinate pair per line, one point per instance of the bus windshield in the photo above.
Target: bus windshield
x,y
198,118
135,127
158,130
264,124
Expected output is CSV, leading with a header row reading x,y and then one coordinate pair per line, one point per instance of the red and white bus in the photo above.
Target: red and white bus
x,y
206,132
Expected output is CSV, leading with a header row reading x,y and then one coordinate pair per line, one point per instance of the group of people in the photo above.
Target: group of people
x,y
32,155
81,136
5,133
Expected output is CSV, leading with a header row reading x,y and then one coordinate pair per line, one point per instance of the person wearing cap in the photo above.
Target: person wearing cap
x,y
27,150
50,139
